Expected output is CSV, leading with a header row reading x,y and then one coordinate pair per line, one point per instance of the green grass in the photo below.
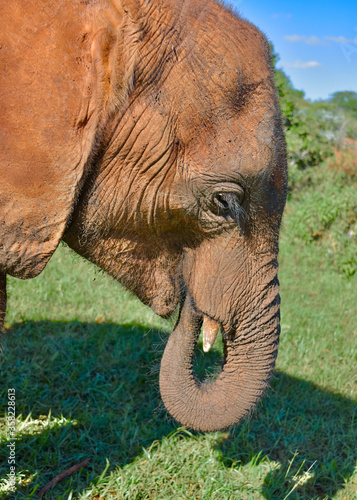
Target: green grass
x,y
83,356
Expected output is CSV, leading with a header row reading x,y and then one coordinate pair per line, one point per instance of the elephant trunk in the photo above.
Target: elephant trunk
x,y
250,354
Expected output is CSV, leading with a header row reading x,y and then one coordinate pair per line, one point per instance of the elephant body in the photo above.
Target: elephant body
x,y
147,135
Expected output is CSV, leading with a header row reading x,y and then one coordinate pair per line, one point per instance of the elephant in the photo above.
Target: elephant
x,y
147,135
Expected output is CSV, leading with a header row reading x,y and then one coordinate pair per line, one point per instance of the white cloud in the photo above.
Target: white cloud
x,y
341,40
308,40
298,64
315,40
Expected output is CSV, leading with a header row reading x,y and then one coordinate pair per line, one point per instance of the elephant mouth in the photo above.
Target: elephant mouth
x,y
209,326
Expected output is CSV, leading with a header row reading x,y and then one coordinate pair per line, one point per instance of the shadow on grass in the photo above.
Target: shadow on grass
x,y
103,380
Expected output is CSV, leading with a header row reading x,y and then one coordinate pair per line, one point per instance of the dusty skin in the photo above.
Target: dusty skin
x,y
147,135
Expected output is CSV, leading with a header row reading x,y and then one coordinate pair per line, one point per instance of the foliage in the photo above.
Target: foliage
x,y
324,201
307,141
346,102
324,213
313,130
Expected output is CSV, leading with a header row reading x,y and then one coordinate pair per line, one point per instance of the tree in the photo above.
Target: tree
x,y
307,142
346,100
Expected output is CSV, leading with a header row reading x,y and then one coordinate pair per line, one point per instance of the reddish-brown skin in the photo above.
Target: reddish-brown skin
x,y
123,126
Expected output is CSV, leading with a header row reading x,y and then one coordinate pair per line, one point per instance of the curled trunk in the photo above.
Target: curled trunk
x,y
249,360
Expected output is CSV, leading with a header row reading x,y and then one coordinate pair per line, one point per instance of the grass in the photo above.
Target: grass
x,y
83,356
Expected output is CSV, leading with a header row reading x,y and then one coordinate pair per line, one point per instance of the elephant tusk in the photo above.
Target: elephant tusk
x,y
210,331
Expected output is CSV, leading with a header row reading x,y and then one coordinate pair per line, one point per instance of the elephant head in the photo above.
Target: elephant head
x,y
180,187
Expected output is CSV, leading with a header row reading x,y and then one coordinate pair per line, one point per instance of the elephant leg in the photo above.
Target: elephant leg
x,y
2,299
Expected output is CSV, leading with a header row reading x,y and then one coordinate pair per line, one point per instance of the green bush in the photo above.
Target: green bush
x,y
346,102
308,144
325,213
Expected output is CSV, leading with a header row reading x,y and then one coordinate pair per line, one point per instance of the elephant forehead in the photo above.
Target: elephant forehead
x,y
213,63
244,146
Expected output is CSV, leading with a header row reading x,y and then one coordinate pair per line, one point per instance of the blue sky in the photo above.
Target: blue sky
x,y
316,41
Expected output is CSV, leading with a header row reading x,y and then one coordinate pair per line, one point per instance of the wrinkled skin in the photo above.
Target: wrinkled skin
x,y
147,135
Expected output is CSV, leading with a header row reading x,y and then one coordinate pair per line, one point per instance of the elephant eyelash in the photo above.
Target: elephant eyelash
x,y
239,214
228,205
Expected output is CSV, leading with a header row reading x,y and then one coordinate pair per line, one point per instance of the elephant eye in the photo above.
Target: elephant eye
x,y
222,202
228,205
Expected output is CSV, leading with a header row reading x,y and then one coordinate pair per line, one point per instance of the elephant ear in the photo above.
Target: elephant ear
x,y
47,128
